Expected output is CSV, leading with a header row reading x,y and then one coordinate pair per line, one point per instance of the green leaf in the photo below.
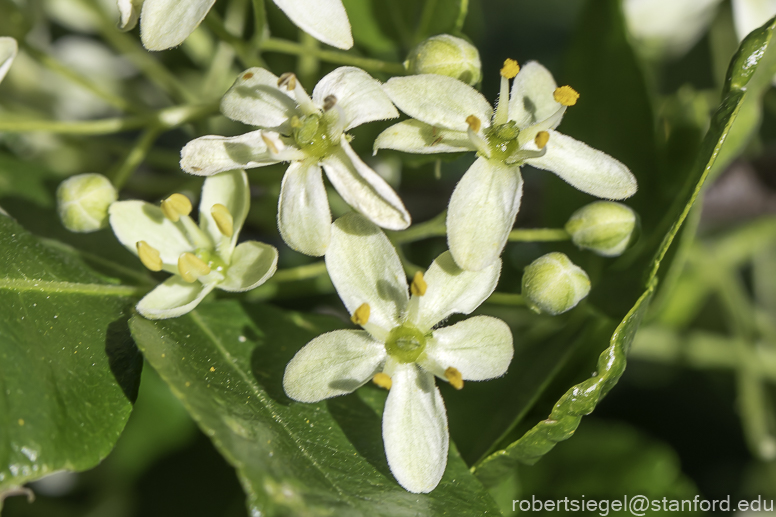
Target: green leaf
x,y
69,368
225,361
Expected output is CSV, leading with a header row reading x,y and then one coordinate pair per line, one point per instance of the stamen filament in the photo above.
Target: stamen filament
x,y
191,267
149,256
223,219
508,71
479,143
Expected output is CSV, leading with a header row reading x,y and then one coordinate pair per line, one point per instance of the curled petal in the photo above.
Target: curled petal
x,y
231,190
256,100
172,298
532,99
253,263
326,21
129,12
360,96
304,217
166,23
414,136
211,154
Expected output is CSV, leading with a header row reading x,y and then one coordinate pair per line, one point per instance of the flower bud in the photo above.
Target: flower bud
x,y
446,55
604,227
553,284
83,201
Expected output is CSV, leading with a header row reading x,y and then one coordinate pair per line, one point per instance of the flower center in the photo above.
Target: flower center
x,y
405,343
213,261
502,140
312,135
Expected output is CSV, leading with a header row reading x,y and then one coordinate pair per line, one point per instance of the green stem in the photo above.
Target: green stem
x,y
259,22
299,273
245,50
332,56
506,299
539,235
135,156
432,228
307,66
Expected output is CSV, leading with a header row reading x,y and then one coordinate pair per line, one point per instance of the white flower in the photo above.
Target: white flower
x,y
200,257
400,348
166,23
309,133
8,50
450,116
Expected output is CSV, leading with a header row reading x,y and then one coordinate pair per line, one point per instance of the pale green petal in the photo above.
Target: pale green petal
x,y
749,15
482,211
452,290
532,97
333,364
364,189
585,168
129,13
360,96
304,217
253,263
414,136
166,23
256,100
212,154
8,50
172,298
415,429
230,189
325,20
479,347
438,100
364,267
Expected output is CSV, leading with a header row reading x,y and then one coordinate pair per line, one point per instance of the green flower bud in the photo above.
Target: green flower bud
x,y
446,55
83,201
553,284
604,227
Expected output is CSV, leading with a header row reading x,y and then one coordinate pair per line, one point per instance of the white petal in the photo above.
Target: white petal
x,y
364,189
585,168
482,211
359,95
304,217
415,430
256,100
414,136
212,154
479,347
230,189
253,263
324,20
452,290
749,15
532,97
172,298
166,23
129,11
438,100
364,267
332,364
8,50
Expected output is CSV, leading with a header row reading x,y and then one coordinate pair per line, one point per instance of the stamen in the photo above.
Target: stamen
x,y
361,315
566,95
295,122
329,102
175,206
474,123
454,377
288,80
149,256
418,286
247,76
510,69
479,143
542,137
382,380
270,144
223,219
191,267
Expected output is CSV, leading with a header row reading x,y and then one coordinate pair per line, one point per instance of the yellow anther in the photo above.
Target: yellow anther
x,y
269,143
288,80
383,380
510,69
566,95
295,122
191,267
454,377
223,219
329,102
418,286
474,123
175,206
361,316
542,137
149,256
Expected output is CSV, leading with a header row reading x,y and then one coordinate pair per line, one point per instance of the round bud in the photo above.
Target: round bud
x,y
446,55
553,284
83,201
604,227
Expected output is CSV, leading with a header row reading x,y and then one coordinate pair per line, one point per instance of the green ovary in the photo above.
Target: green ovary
x,y
502,140
405,344
312,135
213,261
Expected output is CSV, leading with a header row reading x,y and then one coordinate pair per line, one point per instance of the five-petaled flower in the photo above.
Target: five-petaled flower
x,y
200,257
450,116
400,348
309,133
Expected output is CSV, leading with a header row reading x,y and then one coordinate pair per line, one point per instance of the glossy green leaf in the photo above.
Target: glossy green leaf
x,y
225,361
69,370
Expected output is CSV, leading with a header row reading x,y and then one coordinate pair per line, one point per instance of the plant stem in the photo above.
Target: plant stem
x,y
135,156
300,272
506,299
539,235
432,228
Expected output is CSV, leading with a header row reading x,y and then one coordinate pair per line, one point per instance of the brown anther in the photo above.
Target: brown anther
x,y
288,80
454,377
329,102
247,75
361,315
383,380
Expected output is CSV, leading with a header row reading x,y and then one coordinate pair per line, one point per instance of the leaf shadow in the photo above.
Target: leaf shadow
x,y
124,359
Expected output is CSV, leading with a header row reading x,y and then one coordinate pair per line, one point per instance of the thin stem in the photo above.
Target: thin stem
x,y
259,22
307,65
221,64
425,19
432,228
332,56
539,235
506,299
135,156
299,273
245,50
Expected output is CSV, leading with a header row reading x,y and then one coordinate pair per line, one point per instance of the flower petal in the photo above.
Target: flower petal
x,y
585,168
452,290
364,189
212,154
532,99
359,95
749,15
479,347
172,298
414,136
256,100
364,267
253,263
8,50
166,23
231,190
438,100
482,211
332,364
304,217
326,21
129,12
415,429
